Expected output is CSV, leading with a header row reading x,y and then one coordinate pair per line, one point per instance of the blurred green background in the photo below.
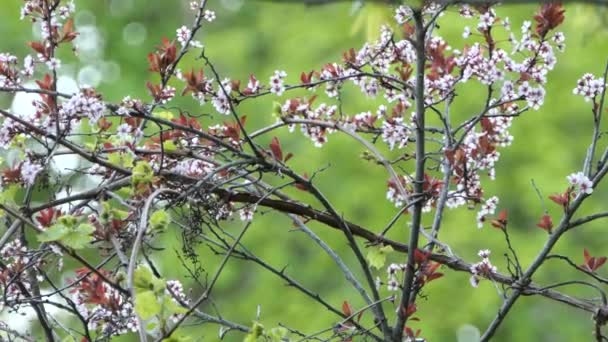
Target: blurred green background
x,y
260,37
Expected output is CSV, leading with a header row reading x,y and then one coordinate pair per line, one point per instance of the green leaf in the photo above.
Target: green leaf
x,y
68,220
146,304
377,256
172,307
257,330
76,239
85,228
151,326
143,279
165,115
142,174
169,146
109,213
53,233
69,338
181,338
250,338
9,195
121,159
159,220
120,214
276,109
278,334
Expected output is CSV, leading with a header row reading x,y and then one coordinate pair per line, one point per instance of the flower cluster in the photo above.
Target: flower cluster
x,y
488,208
87,102
276,82
14,277
581,183
246,213
106,309
402,13
9,71
393,270
394,194
484,268
301,108
183,35
29,171
175,290
194,168
589,87
395,132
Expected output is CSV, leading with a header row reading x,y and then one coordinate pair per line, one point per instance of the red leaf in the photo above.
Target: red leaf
x,y
46,83
586,255
38,47
502,216
301,186
545,223
306,78
275,147
104,124
359,315
592,263
501,221
68,31
154,62
421,256
47,215
562,199
346,308
550,16
411,309
10,175
288,156
600,261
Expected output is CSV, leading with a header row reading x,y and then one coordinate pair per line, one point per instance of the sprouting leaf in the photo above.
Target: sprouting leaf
x,y
146,304
346,308
592,263
288,156
501,221
377,255
275,148
545,223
